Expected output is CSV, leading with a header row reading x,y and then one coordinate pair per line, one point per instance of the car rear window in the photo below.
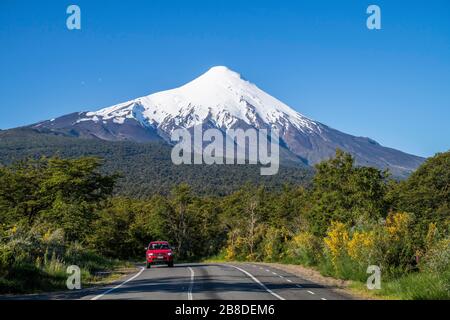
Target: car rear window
x,y
159,246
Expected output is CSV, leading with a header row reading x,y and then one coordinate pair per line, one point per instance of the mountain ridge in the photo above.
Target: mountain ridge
x,y
221,98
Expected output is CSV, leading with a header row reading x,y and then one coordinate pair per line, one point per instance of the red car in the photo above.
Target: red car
x,y
159,252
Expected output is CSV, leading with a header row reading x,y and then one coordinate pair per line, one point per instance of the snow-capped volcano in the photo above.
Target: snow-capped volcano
x,y
221,98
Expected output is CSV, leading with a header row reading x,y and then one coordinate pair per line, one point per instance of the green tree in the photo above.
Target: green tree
x,y
32,187
21,198
427,193
343,192
111,234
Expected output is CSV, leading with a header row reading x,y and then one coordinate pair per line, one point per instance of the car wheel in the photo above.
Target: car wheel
x,y
170,264
148,265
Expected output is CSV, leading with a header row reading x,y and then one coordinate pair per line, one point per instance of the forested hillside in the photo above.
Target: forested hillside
x,y
55,212
145,168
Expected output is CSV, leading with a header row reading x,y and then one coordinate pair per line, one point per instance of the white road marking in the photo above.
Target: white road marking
x,y
281,277
259,282
311,292
191,284
288,280
274,273
119,285
323,299
267,270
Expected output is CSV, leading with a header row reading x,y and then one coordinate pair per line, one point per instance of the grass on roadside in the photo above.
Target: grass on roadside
x,y
414,286
52,276
216,259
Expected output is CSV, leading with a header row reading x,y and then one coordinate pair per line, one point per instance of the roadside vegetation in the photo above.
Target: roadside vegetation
x,y
46,209
57,212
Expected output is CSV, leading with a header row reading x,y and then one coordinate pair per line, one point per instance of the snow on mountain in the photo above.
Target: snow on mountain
x,y
220,95
221,98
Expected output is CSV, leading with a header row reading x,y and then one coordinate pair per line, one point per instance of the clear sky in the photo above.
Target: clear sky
x,y
392,85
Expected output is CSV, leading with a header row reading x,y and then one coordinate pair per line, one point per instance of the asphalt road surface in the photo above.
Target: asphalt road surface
x,y
214,281
201,281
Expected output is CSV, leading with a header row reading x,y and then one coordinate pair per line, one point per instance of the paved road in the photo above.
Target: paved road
x,y
213,281
196,281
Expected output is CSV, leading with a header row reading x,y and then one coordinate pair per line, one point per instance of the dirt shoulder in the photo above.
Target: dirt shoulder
x,y
337,285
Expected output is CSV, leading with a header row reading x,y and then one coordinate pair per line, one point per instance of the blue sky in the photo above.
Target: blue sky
x,y
392,85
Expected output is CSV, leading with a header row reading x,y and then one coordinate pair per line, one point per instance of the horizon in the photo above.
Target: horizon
x,y
320,60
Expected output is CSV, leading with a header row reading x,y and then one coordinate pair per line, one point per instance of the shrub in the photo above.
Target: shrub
x,y
362,252
336,242
396,247
347,253
304,248
273,244
437,259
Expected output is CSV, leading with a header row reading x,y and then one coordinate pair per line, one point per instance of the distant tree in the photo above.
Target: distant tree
x,y
77,180
21,197
61,192
427,193
210,232
111,234
245,215
346,193
289,210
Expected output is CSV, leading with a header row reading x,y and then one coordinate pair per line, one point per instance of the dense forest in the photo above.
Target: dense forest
x,y
146,168
55,212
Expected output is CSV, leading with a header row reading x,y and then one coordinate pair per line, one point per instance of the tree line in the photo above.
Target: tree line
x,y
54,209
145,167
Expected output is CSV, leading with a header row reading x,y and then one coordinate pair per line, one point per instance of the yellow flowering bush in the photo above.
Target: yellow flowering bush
x,y
229,253
304,248
349,252
397,224
272,243
303,240
46,237
395,244
13,230
431,236
233,242
361,246
249,246
336,241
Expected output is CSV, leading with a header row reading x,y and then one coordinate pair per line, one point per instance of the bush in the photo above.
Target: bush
x,y
348,252
437,259
31,261
396,246
273,244
305,249
25,278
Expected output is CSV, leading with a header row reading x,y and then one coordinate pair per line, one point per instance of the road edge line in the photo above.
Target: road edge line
x,y
258,282
119,285
191,284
